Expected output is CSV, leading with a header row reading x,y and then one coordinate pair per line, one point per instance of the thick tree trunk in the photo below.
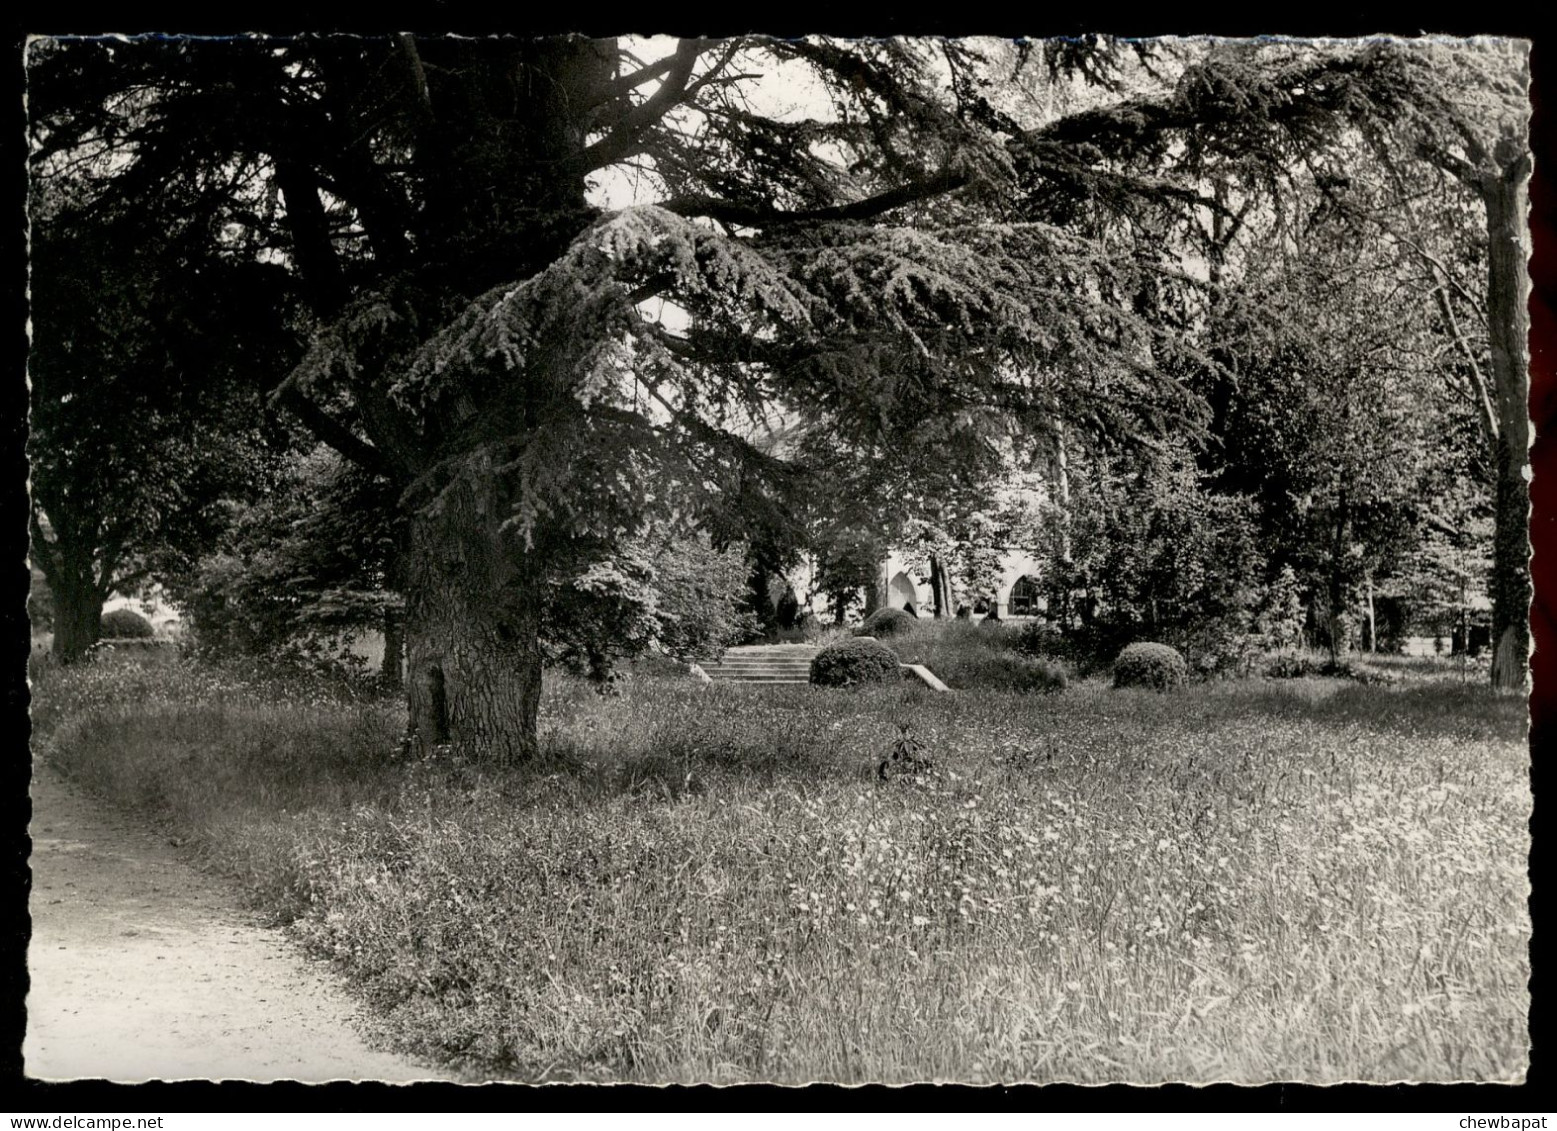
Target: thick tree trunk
x,y
1505,194
473,623
78,615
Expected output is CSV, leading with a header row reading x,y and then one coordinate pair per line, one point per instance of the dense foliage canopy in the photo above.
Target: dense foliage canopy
x,y
558,294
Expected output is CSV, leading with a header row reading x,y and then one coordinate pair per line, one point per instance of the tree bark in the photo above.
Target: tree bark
x,y
78,615
391,668
1336,587
1505,195
940,588
76,587
1062,482
876,595
499,128
472,631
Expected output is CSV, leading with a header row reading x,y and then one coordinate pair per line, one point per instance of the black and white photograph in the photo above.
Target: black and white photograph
x,y
781,560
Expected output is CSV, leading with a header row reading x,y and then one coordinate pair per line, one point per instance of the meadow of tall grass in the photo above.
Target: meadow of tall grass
x,y
1242,881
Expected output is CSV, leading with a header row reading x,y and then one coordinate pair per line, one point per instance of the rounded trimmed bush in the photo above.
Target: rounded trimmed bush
x,y
125,624
850,662
887,622
1157,666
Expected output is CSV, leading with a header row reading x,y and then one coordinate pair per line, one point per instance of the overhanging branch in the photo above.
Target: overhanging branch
x,y
753,216
619,142
333,432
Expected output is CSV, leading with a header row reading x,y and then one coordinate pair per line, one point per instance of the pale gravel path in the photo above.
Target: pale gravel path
x,y
143,967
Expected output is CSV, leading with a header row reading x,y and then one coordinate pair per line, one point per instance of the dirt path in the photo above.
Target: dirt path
x,y
142,968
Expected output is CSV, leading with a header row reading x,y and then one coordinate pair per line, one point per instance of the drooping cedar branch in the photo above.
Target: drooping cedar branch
x,y
751,216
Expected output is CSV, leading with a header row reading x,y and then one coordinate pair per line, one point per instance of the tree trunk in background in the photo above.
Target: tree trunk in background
x,y
1062,483
940,588
876,595
472,632
1505,195
78,615
1335,592
1373,624
391,668
78,588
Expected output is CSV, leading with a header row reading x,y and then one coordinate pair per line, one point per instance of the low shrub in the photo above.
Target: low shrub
x,y
1149,665
856,661
807,629
1357,673
1086,649
1006,672
1300,666
125,624
977,655
887,622
1291,666
1035,638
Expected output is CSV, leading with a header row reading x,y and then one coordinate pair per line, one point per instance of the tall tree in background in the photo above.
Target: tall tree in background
x,y
1333,414
1472,121
1250,122
145,422
304,569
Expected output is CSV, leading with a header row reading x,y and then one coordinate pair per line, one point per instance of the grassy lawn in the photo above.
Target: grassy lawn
x,y
1241,881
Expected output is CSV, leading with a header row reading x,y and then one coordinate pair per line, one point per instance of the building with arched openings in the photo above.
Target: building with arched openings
x,y
1017,595
1004,523
902,585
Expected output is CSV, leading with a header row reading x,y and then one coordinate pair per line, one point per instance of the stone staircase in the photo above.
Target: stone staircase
x,y
764,663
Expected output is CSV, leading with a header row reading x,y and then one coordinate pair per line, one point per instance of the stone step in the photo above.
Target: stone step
x,y
765,661
763,665
759,675
759,667
768,657
803,677
778,657
754,662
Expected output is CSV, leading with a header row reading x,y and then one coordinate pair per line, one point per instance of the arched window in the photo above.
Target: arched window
x,y
902,591
1026,597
